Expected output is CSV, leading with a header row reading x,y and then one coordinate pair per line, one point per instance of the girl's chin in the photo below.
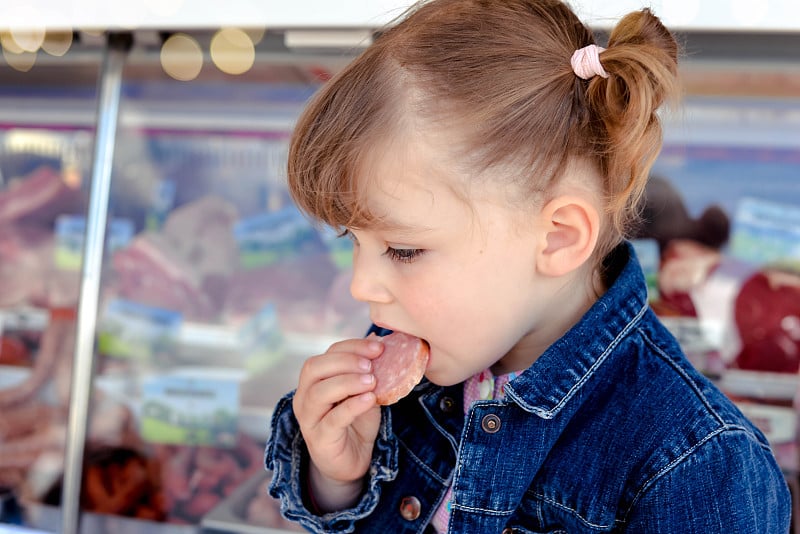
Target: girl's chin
x,y
442,379
443,376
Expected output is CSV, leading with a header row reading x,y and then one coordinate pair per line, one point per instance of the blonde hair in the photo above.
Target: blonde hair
x,y
500,70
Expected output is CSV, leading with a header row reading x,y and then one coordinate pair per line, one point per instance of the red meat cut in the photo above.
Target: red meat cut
x,y
767,315
39,198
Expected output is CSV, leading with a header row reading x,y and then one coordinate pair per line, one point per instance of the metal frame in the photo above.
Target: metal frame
x,y
109,91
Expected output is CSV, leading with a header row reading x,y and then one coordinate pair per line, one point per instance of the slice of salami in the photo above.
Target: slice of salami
x,y
400,367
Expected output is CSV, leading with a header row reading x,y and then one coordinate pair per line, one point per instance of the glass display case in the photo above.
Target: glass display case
x,y
45,170
211,288
159,292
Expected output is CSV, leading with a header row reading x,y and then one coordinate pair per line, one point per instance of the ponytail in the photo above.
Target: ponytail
x,y
641,60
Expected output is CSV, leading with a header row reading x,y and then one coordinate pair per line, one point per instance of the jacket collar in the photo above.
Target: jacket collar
x,y
567,366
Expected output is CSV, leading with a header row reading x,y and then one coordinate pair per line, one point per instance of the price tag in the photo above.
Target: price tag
x,y
131,330
766,232
198,408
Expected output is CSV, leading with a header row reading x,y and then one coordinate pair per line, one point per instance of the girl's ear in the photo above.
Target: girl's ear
x,y
571,228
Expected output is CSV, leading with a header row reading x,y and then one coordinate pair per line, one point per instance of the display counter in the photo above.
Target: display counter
x,y
159,292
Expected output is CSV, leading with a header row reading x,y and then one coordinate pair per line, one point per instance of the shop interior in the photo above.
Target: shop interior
x,y
159,291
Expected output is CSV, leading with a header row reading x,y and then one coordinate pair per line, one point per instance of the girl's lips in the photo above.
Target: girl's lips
x,y
387,327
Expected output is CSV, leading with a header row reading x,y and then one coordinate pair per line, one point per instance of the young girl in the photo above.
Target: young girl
x,y
486,158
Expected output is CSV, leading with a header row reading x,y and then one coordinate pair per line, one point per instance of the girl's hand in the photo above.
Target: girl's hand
x,y
339,418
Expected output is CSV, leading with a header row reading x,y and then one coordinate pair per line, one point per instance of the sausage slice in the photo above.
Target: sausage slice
x,y
400,367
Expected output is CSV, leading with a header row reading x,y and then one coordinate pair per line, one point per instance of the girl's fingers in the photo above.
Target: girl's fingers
x,y
328,365
351,356
335,378
335,407
314,403
346,412
369,347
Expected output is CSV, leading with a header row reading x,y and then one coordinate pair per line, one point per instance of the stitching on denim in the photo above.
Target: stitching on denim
x,y
435,423
549,414
539,514
424,466
689,382
432,512
460,458
745,430
574,512
724,426
498,513
670,466
699,393
271,445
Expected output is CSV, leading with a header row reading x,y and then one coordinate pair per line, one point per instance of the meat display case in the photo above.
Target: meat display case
x,y
159,292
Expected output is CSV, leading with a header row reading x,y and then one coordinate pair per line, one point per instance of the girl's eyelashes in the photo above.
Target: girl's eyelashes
x,y
400,255
404,255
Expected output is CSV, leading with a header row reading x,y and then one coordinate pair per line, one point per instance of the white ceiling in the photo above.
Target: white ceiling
x,y
737,15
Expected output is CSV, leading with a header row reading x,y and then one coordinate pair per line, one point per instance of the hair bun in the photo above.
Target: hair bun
x,y
642,60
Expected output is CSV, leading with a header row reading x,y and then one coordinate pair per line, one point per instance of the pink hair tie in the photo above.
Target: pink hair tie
x,y
586,62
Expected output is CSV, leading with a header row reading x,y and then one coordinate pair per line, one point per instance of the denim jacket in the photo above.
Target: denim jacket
x,y
610,430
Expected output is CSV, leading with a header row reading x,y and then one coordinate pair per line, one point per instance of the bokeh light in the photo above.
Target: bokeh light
x,y
22,61
255,34
182,57
56,43
9,44
29,40
232,51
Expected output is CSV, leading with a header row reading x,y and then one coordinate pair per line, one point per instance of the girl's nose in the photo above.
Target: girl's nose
x,y
366,284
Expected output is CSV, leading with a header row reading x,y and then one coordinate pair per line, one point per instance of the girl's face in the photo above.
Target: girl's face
x,y
459,274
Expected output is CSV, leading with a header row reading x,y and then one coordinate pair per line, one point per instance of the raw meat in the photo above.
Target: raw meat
x,y
202,234
767,314
186,266
149,271
400,367
39,197
297,287
28,274
25,259
58,344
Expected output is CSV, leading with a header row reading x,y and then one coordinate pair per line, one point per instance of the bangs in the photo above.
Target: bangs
x,y
331,145
333,194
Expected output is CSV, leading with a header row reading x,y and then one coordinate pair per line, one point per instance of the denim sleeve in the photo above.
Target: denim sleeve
x,y
285,454
730,483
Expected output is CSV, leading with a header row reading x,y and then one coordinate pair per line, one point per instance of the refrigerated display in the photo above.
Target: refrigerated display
x,y
44,172
212,288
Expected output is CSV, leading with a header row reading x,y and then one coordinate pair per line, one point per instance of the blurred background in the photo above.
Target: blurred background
x,y
159,292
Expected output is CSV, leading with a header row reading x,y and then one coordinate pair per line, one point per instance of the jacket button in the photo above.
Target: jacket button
x,y
490,423
446,404
410,508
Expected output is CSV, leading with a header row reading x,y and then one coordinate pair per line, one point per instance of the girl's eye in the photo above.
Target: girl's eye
x,y
401,255
404,255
